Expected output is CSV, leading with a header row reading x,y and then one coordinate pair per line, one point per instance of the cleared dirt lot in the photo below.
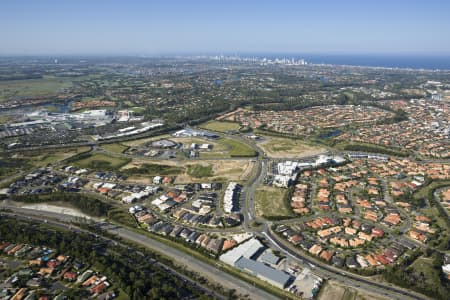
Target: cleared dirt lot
x,y
271,202
229,169
333,290
278,147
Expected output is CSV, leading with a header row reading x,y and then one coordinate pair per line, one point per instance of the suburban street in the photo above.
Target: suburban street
x,y
247,202
208,271
215,273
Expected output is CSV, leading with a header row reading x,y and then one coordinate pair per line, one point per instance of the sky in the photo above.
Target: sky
x,y
147,27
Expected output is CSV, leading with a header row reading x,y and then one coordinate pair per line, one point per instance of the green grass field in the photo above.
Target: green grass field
x,y
116,147
280,147
199,171
148,169
34,87
50,158
238,149
122,216
138,109
6,119
270,202
27,160
220,126
99,161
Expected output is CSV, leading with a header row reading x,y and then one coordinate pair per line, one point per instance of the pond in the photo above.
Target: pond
x,y
331,134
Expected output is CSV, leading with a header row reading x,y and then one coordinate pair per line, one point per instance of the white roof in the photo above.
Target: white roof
x,y
97,185
247,250
157,202
109,185
239,238
446,268
164,206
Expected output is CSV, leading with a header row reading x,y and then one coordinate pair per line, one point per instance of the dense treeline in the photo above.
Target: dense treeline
x,y
88,205
399,114
359,147
133,272
404,275
190,113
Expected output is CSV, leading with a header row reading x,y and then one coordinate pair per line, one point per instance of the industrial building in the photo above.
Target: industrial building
x,y
244,258
326,160
189,132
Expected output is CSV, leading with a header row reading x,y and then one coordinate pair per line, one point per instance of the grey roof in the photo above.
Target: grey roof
x,y
263,271
163,143
269,258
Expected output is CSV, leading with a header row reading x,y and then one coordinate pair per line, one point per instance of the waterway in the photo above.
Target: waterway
x,y
59,107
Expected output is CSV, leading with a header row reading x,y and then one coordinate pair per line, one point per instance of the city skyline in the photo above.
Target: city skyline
x,y
177,27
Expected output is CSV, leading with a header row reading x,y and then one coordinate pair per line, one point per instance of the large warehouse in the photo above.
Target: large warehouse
x,y
244,258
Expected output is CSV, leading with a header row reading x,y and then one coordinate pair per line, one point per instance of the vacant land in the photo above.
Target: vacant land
x,y
121,216
278,147
238,149
33,87
26,160
139,142
10,167
271,202
332,290
220,126
100,161
45,157
200,171
138,109
150,169
116,147
226,170
6,119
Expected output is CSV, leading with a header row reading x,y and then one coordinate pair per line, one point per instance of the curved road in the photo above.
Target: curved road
x,y
192,263
231,282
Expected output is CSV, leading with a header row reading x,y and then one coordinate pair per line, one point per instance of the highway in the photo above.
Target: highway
x,y
208,271
320,268
215,274
345,277
53,223
248,210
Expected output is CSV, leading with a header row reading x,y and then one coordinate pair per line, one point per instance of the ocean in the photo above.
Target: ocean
x,y
430,62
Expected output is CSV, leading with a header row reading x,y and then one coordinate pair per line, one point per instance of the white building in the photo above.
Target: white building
x,y
446,269
157,180
283,180
229,198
